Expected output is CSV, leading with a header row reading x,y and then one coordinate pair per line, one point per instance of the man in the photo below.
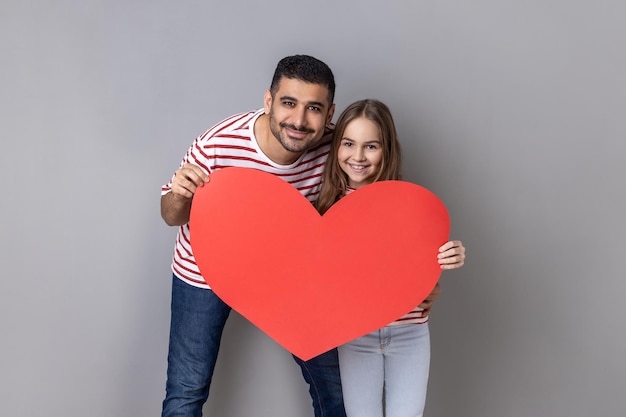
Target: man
x,y
285,138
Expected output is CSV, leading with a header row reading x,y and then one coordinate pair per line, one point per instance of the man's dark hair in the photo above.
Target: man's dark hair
x,y
304,68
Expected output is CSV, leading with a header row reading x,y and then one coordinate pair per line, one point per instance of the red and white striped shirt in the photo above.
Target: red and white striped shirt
x,y
415,316
231,143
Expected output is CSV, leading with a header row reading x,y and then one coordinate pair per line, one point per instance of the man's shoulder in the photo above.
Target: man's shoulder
x,y
240,122
320,151
324,143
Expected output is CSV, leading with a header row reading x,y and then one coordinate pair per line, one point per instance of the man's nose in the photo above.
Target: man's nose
x,y
299,117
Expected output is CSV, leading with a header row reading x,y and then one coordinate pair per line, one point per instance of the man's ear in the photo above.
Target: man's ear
x,y
331,112
267,101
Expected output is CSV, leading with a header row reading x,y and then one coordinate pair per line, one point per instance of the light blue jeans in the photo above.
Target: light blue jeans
x,y
392,362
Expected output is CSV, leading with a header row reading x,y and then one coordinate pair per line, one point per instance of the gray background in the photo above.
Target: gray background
x,y
511,111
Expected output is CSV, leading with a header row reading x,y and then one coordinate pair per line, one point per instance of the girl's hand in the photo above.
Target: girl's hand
x,y
451,255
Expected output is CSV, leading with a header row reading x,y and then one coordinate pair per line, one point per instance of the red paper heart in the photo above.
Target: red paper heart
x,y
314,282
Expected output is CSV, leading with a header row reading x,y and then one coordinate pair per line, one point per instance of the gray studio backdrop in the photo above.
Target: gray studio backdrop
x,y
513,112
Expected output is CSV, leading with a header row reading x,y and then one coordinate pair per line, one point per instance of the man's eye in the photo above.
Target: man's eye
x,y
315,108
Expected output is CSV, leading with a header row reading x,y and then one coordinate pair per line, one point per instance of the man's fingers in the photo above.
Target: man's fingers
x,y
187,179
193,174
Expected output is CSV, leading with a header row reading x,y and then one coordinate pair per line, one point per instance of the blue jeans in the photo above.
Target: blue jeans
x,y
392,362
322,375
197,321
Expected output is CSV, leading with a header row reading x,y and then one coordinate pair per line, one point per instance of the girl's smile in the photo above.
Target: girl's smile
x,y
360,152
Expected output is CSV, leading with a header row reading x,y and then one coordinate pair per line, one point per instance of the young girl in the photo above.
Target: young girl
x,y
392,362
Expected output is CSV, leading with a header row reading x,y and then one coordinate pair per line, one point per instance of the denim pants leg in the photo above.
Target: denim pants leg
x,y
362,376
407,365
322,375
393,361
198,317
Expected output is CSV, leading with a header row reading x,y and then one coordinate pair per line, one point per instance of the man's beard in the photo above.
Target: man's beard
x,y
289,144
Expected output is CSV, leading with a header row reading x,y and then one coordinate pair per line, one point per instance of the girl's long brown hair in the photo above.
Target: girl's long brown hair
x,y
334,180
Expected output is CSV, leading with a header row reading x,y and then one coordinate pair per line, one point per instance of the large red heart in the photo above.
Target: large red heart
x,y
314,282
